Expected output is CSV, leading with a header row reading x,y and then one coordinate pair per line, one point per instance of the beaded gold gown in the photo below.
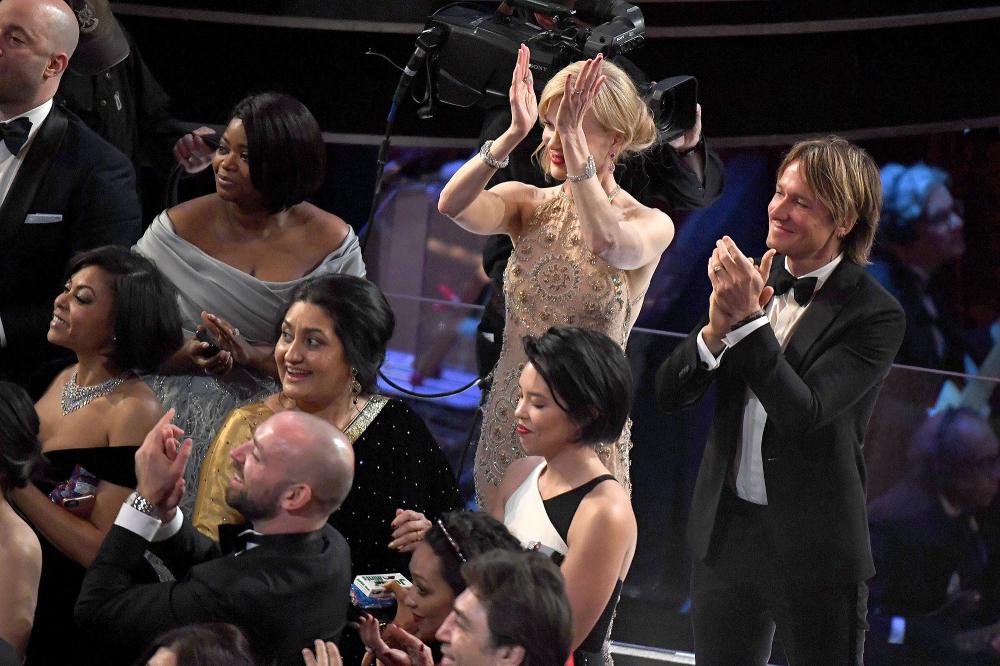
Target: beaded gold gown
x,y
552,279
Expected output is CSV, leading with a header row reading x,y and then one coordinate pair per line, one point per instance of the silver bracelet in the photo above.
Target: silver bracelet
x,y
589,171
491,161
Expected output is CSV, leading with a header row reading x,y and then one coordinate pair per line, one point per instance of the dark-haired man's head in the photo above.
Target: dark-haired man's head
x,y
922,222
955,455
514,611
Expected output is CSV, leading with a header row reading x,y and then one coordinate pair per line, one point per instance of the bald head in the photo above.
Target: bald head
x,y
45,35
318,455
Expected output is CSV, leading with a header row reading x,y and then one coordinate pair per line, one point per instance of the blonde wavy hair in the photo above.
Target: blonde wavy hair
x,y
617,108
846,180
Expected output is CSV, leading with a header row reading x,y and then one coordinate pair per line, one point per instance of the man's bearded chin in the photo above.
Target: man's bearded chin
x,y
253,509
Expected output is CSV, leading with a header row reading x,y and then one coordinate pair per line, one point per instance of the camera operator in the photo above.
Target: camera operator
x,y
685,173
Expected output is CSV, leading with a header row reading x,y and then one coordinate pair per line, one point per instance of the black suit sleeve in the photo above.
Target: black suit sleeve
x,y
132,614
841,376
106,208
682,379
185,549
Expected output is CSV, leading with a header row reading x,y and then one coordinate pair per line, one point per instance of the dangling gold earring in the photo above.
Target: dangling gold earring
x,y
355,386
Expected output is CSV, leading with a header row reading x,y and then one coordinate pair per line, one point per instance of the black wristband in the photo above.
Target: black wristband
x,y
743,322
685,153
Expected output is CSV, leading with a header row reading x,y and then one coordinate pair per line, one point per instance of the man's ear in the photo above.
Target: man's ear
x,y
296,497
509,655
58,62
844,228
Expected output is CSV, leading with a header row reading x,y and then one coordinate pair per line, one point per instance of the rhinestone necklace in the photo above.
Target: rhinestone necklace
x,y
611,196
75,396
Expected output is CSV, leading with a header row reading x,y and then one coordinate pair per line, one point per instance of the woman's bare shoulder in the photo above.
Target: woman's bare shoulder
x,y
134,411
189,217
322,227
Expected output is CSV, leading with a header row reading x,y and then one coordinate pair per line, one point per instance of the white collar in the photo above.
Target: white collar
x,y
37,116
821,273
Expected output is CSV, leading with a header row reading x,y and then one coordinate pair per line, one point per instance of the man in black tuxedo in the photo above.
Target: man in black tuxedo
x,y
935,575
62,188
777,528
286,587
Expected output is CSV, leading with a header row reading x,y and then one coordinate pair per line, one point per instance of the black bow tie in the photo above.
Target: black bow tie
x,y
15,134
803,288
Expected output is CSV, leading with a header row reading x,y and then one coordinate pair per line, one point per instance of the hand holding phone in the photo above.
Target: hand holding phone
x,y
202,335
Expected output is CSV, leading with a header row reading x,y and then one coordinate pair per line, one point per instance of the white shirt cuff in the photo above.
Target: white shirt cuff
x,y
3,336
708,359
149,528
733,337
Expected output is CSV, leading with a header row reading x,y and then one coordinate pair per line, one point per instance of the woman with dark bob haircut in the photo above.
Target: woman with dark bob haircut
x,y
118,315
436,572
576,390
20,551
332,339
236,256
209,644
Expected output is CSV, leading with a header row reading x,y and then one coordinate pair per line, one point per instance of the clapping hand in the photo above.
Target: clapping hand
x,y
523,103
579,96
394,646
408,529
326,654
738,289
159,465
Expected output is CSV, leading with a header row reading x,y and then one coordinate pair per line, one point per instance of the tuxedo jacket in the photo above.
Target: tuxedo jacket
x,y
819,394
917,549
283,594
919,344
74,191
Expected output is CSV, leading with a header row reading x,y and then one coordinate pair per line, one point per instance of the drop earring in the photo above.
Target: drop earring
x,y
355,386
611,166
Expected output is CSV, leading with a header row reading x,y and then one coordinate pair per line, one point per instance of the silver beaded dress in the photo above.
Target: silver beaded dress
x,y
552,279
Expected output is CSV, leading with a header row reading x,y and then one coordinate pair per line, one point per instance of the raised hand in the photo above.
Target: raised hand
x,y
408,529
579,95
192,152
159,465
326,654
523,103
228,338
737,283
689,139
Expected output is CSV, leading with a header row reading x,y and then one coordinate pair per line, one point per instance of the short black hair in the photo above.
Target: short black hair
x,y
525,599
207,644
361,316
285,146
20,450
589,377
147,324
473,532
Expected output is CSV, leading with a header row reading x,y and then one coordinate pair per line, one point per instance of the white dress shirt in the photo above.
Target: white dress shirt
x,y
10,164
783,314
